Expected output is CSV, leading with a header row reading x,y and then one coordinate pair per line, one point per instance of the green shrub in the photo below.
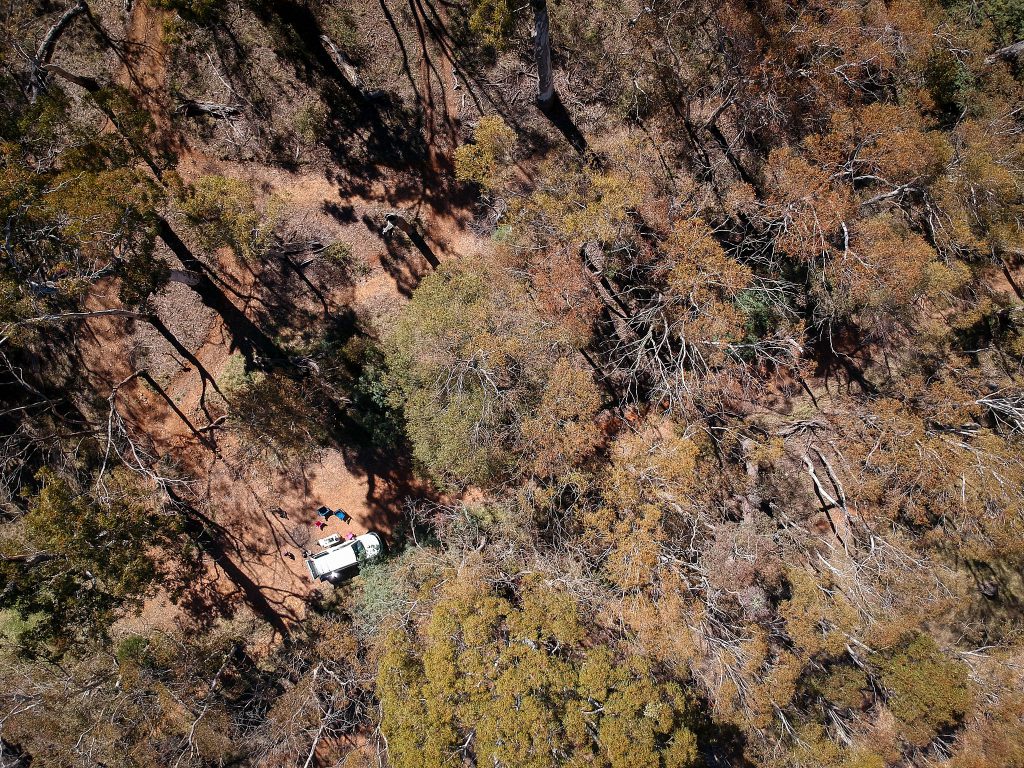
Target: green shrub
x,y
198,11
927,691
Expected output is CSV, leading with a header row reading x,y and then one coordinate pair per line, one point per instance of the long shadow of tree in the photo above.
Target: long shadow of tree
x,y
371,130
205,604
249,338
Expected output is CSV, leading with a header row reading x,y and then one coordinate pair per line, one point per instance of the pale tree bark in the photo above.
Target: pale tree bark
x,y
41,66
37,83
542,54
397,221
1009,53
190,108
89,84
346,67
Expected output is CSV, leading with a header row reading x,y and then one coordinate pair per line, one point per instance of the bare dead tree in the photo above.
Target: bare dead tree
x,y
1010,52
190,108
542,54
37,80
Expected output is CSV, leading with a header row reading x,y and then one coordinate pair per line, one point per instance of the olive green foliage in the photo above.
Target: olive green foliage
x,y
223,212
469,360
133,122
135,701
487,159
234,376
718,384
927,691
341,255
520,683
844,686
492,22
80,557
311,122
355,366
1004,19
371,403
340,25
72,226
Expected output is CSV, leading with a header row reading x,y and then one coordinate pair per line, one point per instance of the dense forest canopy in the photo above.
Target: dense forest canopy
x,y
675,348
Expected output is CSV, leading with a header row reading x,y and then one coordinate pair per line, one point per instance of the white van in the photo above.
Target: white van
x,y
329,564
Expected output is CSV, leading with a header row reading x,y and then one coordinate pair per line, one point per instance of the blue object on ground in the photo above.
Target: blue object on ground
x,y
324,512
342,515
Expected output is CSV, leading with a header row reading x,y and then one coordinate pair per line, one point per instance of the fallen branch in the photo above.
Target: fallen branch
x,y
1008,53
827,503
37,83
190,108
346,67
89,84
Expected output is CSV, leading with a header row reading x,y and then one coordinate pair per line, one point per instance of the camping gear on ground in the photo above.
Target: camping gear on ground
x,y
342,515
325,512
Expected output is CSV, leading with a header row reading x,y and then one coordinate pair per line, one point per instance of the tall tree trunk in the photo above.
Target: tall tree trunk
x,y
397,221
542,54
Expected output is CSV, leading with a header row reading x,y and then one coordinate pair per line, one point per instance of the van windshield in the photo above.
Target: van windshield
x,y
359,549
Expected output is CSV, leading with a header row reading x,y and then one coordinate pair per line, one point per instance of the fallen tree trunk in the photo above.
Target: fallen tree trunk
x,y
191,108
1008,53
89,84
346,67
37,81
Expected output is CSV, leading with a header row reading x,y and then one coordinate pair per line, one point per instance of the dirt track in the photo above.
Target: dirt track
x,y
260,515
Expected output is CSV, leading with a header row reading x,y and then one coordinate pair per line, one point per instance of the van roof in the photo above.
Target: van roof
x,y
334,559
342,556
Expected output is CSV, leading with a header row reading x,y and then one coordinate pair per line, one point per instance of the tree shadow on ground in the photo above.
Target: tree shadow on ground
x,y
376,141
998,603
406,267
246,335
843,351
370,131
288,300
562,120
204,601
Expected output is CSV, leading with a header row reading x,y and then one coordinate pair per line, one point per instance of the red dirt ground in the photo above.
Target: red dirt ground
x,y
262,514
